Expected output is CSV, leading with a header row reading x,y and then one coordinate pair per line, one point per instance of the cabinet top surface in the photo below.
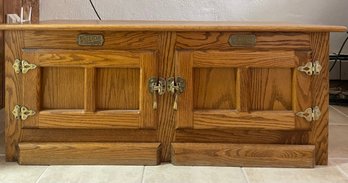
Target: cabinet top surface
x,y
137,25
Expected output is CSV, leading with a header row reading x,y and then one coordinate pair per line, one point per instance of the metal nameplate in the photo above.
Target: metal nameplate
x,y
243,40
90,40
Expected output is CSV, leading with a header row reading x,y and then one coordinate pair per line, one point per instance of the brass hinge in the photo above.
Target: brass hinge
x,y
311,68
22,113
310,114
22,66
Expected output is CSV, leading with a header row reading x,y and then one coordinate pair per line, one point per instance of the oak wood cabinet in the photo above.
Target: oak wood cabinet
x,y
193,93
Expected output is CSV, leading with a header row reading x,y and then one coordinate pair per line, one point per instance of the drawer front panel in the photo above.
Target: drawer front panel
x,y
221,40
112,40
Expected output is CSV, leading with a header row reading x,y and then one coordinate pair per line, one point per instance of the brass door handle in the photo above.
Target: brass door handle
x,y
156,86
176,86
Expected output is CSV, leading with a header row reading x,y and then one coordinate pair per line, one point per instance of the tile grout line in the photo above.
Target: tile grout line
x,y
142,175
337,110
245,175
337,158
342,171
338,124
37,181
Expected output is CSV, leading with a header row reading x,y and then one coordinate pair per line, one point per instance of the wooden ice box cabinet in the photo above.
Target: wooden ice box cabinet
x,y
190,93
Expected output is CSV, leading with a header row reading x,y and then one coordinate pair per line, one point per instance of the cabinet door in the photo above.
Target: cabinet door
x,y
243,89
89,89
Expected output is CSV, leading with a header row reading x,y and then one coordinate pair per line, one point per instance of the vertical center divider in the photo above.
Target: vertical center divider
x,y
89,90
243,90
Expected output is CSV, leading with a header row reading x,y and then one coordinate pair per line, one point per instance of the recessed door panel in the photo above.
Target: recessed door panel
x,y
62,88
117,89
271,89
214,88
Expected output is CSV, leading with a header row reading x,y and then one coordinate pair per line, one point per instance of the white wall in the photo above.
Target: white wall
x,y
333,12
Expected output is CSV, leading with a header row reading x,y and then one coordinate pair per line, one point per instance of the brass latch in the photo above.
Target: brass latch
x,y
156,86
311,68
310,114
22,113
176,86
22,66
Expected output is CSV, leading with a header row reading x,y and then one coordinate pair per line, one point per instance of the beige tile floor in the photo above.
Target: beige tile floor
x,y
335,172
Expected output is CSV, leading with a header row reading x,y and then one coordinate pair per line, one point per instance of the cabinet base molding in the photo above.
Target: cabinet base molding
x,y
250,155
89,153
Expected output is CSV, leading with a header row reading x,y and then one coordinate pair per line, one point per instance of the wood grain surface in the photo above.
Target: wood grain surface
x,y
141,25
90,89
214,88
117,89
149,69
245,58
88,135
302,90
87,58
243,92
13,93
271,89
112,40
166,114
320,88
89,153
2,57
61,88
184,68
220,40
79,119
248,136
271,120
265,155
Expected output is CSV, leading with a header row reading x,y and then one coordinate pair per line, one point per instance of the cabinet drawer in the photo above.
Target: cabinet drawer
x,y
220,40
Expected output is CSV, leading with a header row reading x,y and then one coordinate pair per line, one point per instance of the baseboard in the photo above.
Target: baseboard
x,y
246,155
89,153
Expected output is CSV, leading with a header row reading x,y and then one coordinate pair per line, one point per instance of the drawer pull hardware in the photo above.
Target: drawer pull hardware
x,y
311,68
242,40
156,86
22,66
310,114
22,113
176,86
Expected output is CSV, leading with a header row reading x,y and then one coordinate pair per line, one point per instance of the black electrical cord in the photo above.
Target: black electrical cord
x,y
339,54
95,10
